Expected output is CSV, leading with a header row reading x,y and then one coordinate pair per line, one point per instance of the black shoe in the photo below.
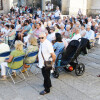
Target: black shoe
x,y
43,92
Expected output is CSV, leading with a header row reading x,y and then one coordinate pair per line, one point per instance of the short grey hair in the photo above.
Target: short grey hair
x,y
42,33
88,26
68,26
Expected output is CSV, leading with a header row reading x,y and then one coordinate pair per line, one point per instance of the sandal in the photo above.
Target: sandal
x,y
24,70
4,78
14,74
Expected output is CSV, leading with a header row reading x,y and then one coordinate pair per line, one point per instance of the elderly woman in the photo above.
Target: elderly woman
x,y
33,46
17,52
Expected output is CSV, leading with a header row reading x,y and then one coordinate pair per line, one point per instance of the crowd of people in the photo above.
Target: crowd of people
x,y
46,32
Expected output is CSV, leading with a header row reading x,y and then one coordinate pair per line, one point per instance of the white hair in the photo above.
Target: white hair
x,y
42,33
68,26
88,26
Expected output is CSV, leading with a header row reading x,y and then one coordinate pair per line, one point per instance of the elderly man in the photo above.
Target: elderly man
x,y
89,33
77,34
57,13
3,48
45,52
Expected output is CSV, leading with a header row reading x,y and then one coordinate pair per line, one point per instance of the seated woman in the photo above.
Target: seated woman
x,y
33,46
58,44
11,35
8,63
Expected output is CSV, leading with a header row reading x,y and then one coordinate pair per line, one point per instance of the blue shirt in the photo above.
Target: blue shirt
x,y
27,28
58,46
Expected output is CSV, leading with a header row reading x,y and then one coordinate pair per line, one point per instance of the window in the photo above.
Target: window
x,y
1,5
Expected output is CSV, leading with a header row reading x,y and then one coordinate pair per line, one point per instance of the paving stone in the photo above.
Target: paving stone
x,y
67,87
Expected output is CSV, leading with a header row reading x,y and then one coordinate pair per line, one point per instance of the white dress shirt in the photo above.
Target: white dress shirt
x,y
47,49
76,37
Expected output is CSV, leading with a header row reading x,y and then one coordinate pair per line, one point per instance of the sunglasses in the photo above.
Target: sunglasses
x,y
41,37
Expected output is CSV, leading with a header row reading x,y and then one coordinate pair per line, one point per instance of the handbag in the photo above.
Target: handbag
x,y
48,64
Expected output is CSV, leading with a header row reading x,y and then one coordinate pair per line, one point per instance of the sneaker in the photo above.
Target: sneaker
x,y
43,92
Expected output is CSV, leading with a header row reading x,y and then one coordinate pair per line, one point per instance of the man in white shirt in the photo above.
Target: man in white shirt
x,y
51,36
2,28
57,13
45,52
89,33
39,13
77,34
16,9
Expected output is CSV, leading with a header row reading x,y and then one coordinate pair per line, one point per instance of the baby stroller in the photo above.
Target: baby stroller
x,y
67,59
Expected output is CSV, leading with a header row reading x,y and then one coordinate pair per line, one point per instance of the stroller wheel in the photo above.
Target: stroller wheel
x,y
80,69
55,74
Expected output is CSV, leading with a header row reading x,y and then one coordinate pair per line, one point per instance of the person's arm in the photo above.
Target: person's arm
x,y
23,31
53,57
11,34
10,59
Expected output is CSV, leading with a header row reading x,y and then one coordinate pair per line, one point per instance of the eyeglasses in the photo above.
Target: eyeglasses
x,y
41,37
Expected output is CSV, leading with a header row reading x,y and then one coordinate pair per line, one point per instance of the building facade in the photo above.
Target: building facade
x,y
4,6
69,7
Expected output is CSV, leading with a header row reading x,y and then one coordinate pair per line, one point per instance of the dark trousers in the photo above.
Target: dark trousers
x,y
47,80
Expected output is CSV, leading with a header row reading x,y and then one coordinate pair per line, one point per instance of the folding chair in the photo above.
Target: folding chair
x,y
11,42
16,59
31,54
5,54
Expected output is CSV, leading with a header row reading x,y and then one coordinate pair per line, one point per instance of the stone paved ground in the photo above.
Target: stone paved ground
x,y
67,87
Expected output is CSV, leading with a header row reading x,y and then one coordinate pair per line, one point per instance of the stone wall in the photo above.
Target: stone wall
x,y
93,7
65,7
36,2
6,6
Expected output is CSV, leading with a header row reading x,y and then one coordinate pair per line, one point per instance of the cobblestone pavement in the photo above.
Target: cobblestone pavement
x,y
67,87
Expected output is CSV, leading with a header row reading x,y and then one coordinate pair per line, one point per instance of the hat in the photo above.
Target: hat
x,y
52,28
